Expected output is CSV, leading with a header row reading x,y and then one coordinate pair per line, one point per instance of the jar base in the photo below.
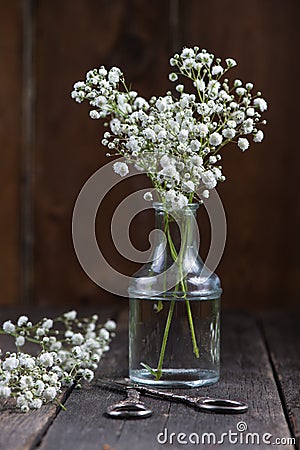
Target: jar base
x,y
176,378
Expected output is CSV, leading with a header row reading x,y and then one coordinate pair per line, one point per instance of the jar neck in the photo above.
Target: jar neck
x,y
179,226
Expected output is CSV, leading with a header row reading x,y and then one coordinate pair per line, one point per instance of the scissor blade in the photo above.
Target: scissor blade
x,y
122,385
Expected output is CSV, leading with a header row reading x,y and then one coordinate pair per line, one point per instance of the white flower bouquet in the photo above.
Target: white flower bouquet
x,y
176,139
69,351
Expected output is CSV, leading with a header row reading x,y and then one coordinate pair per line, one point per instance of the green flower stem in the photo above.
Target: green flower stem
x,y
172,306
160,303
188,306
60,404
191,322
35,341
164,341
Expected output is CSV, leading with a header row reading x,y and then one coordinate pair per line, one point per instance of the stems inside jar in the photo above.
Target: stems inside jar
x,y
182,283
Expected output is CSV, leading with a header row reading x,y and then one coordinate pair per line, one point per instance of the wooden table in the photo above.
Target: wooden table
x,y
260,365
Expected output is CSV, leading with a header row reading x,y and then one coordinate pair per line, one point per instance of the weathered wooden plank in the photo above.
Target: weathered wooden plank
x,y
131,34
246,375
10,148
136,36
27,160
20,431
282,334
259,213
86,428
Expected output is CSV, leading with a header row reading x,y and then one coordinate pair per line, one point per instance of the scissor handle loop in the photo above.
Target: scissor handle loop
x,y
127,410
219,405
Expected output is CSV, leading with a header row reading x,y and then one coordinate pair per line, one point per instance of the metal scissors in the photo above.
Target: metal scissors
x,y
205,404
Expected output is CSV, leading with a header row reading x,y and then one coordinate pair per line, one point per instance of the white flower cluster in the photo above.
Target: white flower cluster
x,y
70,352
176,139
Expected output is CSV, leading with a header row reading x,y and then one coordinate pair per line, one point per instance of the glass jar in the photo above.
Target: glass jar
x,y
174,310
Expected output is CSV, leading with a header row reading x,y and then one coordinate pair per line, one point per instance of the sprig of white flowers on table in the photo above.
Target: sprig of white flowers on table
x,y
176,139
70,351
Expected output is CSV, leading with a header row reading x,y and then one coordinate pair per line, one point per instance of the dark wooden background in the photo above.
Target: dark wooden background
x,y
49,146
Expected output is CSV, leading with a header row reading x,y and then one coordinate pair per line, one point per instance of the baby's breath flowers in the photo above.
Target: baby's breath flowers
x,y
70,350
176,139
